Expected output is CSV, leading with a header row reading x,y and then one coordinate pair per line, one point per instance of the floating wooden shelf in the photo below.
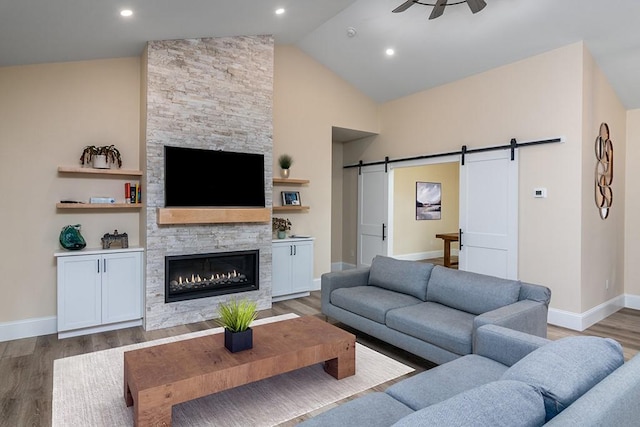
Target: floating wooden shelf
x,y
289,181
104,172
99,205
167,216
290,208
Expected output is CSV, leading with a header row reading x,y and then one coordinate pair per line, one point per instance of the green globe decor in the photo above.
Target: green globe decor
x,y
71,239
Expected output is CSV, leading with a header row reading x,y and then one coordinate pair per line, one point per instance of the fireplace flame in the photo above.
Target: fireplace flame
x,y
216,278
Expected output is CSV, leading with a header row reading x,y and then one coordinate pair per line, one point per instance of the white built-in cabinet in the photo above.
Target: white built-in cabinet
x,y
99,290
292,260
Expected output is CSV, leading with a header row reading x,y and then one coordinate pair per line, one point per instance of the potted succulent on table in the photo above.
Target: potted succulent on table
x,y
101,157
285,161
236,317
281,225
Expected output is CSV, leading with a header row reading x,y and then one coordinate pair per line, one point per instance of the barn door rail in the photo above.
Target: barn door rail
x,y
464,150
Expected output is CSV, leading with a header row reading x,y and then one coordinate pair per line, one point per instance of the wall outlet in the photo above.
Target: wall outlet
x,y
606,284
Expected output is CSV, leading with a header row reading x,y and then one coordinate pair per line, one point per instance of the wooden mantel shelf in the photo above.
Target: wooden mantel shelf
x,y
169,216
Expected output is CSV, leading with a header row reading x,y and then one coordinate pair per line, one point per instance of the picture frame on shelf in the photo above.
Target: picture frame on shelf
x,y
291,198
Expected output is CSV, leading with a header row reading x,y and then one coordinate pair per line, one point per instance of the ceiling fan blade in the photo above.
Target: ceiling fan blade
x,y
476,5
438,9
404,6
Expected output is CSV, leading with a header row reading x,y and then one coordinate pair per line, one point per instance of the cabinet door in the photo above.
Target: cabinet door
x,y
121,287
79,292
281,264
302,267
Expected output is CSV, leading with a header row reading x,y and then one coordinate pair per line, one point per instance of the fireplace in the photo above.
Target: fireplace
x,y
205,275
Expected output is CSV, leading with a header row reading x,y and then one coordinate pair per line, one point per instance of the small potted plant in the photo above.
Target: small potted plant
x,y
101,157
285,161
236,317
281,225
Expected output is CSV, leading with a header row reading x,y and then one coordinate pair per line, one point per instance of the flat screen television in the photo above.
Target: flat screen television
x,y
196,177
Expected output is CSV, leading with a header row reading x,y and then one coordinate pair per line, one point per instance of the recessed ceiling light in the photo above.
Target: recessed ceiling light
x,y
126,12
279,11
390,52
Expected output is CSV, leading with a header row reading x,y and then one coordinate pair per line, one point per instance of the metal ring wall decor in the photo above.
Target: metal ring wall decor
x,y
604,171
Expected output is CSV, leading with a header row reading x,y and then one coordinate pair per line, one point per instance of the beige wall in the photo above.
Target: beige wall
x,y
308,100
602,240
537,98
411,236
632,206
49,113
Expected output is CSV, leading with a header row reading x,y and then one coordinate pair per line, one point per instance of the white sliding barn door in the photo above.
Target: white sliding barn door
x,y
372,214
489,214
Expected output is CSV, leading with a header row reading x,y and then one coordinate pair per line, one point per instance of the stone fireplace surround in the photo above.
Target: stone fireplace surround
x,y
213,93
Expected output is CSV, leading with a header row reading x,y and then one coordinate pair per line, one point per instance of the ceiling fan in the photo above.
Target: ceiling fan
x,y
438,7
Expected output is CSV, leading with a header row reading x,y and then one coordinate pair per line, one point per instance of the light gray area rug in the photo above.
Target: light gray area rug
x,y
88,390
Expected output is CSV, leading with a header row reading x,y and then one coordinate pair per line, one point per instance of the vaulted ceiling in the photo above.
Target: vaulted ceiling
x,y
428,53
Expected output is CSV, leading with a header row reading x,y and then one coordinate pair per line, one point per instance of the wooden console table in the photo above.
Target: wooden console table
x,y
448,238
158,377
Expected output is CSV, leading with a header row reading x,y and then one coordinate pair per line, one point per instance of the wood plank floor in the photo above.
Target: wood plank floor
x,y
26,365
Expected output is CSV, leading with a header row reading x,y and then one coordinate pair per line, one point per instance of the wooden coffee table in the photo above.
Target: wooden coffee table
x,y
158,377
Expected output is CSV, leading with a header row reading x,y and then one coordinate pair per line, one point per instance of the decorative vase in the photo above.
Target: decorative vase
x,y
284,173
282,234
238,341
71,239
100,161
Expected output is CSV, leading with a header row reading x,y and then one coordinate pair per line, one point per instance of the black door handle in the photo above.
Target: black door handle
x,y
460,237
383,229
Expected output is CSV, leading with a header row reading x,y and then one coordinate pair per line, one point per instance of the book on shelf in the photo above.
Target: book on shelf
x,y
133,192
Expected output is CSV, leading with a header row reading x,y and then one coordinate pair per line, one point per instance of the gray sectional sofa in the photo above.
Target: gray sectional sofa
x,y
431,311
511,379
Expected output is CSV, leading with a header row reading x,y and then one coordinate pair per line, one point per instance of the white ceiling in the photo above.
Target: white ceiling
x,y
428,52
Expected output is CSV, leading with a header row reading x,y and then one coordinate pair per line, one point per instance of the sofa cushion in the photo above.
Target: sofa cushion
x,y
370,410
371,302
564,370
434,323
445,381
408,277
471,292
499,403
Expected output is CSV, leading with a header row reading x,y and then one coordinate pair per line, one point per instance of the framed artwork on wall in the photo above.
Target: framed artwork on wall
x,y
291,198
428,200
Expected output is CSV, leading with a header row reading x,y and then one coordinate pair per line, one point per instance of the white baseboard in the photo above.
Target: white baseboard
x,y
632,301
28,328
100,328
577,321
581,321
418,256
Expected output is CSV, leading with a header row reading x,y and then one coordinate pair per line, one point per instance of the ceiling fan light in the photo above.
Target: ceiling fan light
x,y
476,5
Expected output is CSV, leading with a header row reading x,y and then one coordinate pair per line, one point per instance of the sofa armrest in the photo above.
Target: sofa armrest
x,y
341,279
505,345
524,316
